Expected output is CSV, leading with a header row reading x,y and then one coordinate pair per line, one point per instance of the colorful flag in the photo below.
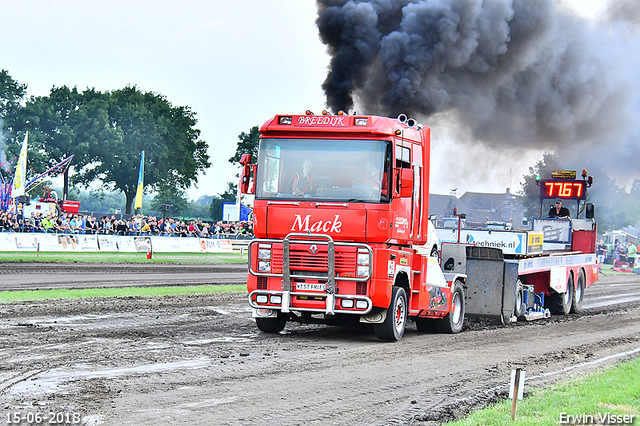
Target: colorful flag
x,y
20,176
138,203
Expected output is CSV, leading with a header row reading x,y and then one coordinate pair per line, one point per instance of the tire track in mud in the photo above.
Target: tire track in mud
x,y
118,360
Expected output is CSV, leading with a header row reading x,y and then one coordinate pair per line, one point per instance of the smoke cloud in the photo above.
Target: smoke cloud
x,y
511,75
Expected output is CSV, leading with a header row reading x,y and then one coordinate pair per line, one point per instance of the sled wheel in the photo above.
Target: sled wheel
x,y
518,309
578,294
560,303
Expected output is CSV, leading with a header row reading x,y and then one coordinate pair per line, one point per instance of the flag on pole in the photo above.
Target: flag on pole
x,y
138,203
20,176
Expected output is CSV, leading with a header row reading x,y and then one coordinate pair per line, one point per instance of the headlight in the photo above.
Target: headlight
x,y
261,298
264,254
363,271
276,300
361,304
347,303
363,258
264,266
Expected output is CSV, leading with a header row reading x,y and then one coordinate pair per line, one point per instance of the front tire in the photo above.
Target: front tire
x,y
560,303
393,326
271,325
453,321
578,294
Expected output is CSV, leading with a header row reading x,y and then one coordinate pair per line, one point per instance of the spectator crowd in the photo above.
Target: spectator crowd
x,y
78,223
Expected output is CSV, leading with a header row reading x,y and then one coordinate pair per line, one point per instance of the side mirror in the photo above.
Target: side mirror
x,y
590,212
245,174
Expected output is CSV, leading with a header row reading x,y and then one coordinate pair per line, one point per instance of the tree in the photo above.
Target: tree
x,y
11,94
530,190
175,197
62,124
247,144
147,121
228,196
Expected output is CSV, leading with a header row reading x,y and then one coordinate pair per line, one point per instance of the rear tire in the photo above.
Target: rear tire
x,y
434,252
393,326
271,325
578,294
560,303
452,322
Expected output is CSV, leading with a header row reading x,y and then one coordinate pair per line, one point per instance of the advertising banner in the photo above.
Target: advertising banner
x,y
12,241
510,242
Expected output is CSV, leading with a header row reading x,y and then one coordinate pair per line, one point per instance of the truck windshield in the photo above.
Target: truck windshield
x,y
331,170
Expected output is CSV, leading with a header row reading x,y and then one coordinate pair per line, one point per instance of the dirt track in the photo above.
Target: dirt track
x,y
199,360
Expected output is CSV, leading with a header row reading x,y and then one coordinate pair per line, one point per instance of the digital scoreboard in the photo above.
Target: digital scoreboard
x,y
563,188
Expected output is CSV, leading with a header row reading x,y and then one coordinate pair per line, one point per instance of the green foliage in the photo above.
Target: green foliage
x,y
100,201
230,195
615,391
31,295
173,196
247,144
147,121
11,93
197,211
106,133
530,190
62,124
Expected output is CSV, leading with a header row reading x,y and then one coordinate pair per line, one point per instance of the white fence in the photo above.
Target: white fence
x,y
14,241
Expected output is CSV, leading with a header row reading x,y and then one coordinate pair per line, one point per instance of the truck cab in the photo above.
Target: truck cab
x,y
340,204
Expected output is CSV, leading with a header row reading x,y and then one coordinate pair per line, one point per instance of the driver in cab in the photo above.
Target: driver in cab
x,y
302,183
559,212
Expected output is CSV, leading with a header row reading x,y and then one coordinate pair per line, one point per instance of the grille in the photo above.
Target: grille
x,y
301,259
262,283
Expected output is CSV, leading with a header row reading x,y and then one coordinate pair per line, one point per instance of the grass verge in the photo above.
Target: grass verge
x,y
614,392
34,295
106,257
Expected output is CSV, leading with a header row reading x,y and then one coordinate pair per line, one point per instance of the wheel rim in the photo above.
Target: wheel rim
x,y
579,291
400,314
456,307
518,302
567,295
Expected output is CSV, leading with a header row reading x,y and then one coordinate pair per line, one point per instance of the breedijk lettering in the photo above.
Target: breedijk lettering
x,y
300,224
324,120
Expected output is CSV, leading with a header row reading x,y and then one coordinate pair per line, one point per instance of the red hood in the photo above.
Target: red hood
x,y
341,223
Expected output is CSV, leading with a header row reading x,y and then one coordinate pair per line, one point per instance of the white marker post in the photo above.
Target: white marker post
x,y
516,389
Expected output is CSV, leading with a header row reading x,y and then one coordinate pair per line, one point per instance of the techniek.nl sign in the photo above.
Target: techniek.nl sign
x,y
509,242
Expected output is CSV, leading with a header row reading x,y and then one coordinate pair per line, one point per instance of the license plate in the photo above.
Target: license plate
x,y
310,287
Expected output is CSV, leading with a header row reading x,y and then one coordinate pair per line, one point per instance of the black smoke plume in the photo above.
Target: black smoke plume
x,y
512,73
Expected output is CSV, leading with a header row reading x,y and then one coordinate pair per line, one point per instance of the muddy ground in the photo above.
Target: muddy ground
x,y
199,360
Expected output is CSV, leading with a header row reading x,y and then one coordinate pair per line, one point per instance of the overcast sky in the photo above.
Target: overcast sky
x,y
235,63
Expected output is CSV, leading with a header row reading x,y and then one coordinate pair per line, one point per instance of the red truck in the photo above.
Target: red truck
x,y
341,220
